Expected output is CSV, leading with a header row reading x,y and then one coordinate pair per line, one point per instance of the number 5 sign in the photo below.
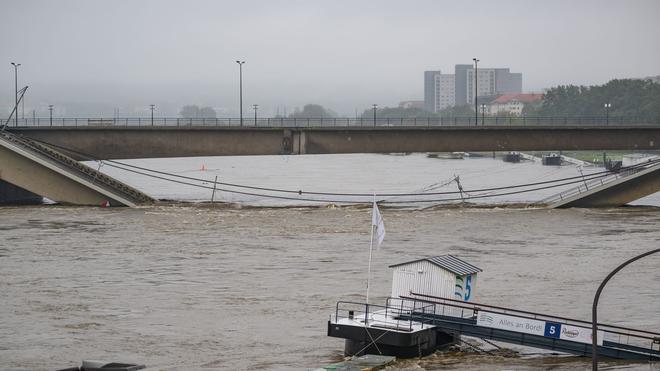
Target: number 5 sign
x,y
552,330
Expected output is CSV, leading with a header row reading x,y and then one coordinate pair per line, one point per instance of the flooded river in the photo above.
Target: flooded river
x,y
211,287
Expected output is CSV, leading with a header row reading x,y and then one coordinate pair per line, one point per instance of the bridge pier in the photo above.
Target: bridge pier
x,y
299,142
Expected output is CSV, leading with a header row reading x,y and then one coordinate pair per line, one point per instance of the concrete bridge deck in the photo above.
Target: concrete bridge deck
x,y
120,142
47,172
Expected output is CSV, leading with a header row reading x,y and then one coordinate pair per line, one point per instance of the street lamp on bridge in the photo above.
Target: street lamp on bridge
x,y
483,113
255,107
50,108
240,84
607,113
152,107
375,107
476,111
16,89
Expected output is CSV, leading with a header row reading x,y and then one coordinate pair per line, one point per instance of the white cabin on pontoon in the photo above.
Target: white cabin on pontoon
x,y
444,276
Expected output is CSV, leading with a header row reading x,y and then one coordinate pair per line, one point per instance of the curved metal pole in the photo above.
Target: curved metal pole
x,y
594,308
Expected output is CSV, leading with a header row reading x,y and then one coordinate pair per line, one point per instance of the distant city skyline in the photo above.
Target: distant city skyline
x,y
344,55
444,90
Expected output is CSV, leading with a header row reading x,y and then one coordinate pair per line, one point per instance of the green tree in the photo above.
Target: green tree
x,y
194,111
189,111
207,112
313,111
397,112
630,98
466,110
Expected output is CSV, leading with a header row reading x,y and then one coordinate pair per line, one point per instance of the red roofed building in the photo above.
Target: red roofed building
x,y
513,103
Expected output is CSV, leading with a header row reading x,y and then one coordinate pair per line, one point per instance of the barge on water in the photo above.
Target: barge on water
x,y
401,327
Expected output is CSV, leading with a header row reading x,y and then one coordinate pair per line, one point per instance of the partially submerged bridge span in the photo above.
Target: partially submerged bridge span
x,y
44,171
617,189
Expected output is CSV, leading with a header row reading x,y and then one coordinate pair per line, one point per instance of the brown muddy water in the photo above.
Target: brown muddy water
x,y
213,288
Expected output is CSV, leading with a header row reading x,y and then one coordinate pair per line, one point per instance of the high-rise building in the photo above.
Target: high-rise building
x,y
429,90
439,92
445,94
491,81
461,73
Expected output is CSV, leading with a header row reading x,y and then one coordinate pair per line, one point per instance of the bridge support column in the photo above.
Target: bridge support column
x,y
299,142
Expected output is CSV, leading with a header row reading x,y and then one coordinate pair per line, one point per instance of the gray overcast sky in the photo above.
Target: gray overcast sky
x,y
342,54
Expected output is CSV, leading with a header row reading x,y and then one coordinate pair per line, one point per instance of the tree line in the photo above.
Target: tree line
x,y
626,97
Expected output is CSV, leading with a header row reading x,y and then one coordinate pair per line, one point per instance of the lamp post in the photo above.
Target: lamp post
x,y
240,84
594,308
476,111
152,107
255,107
375,107
50,108
483,114
16,89
607,113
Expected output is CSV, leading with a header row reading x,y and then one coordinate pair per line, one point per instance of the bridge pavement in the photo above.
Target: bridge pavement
x,y
120,142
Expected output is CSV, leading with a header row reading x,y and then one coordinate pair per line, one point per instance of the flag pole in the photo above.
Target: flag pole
x,y
371,249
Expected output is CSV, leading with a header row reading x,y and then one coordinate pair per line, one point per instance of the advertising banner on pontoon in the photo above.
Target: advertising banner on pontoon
x,y
572,333
536,327
511,323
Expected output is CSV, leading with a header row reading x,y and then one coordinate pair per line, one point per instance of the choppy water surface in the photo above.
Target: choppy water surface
x,y
216,288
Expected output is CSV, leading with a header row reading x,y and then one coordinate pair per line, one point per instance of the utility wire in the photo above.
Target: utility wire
x,y
571,180
479,196
300,192
146,172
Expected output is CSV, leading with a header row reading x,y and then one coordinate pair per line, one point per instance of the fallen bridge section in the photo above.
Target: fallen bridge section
x,y
618,189
44,171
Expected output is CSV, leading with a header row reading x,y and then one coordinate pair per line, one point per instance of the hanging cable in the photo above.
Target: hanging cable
x,y
300,192
479,192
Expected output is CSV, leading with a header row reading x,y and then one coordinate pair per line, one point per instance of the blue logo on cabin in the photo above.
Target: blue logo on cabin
x,y
463,289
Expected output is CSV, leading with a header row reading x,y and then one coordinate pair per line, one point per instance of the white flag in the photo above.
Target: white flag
x,y
377,221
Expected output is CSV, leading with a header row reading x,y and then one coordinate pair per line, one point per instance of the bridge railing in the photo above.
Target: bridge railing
x,y
396,314
592,183
640,340
337,122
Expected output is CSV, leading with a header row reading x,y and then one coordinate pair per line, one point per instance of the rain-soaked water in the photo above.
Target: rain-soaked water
x,y
208,287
